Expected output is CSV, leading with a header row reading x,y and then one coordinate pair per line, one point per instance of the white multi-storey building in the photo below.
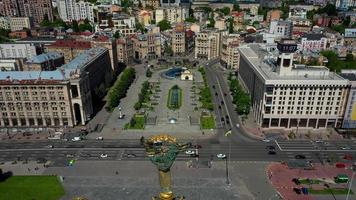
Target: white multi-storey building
x,y
313,41
172,14
75,10
18,50
290,96
207,44
281,28
229,55
19,23
5,23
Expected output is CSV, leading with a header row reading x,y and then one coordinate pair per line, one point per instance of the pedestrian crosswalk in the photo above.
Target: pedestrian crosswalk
x,y
317,146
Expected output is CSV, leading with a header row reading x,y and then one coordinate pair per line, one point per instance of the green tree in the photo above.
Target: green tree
x,y
85,26
211,23
4,35
45,22
329,9
164,25
236,7
139,27
117,34
225,10
349,57
148,73
75,26
347,21
190,19
231,25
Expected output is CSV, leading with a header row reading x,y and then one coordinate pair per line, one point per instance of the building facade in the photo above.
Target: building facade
x,y
75,10
148,45
207,44
282,29
9,64
19,23
5,23
230,56
178,40
37,9
288,96
124,50
350,110
313,41
19,50
173,14
69,48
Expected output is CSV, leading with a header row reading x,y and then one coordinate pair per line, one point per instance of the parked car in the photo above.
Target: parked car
x,y
271,152
190,152
220,155
299,156
345,148
49,146
266,140
99,138
271,147
76,139
103,155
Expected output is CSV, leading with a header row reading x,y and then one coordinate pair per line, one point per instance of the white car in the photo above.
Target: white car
x,y
237,125
346,148
99,138
49,146
190,152
103,155
76,139
220,155
266,140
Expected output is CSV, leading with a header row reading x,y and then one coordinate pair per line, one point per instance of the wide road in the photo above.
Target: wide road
x,y
63,151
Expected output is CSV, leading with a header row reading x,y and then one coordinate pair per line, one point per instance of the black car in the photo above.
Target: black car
x,y
271,147
219,107
225,94
222,102
216,94
297,190
300,157
222,119
272,152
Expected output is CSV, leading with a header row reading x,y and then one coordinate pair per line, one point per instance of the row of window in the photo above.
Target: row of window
x,y
22,114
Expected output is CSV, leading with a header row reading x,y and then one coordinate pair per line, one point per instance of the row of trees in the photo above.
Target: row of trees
x,y
241,99
120,87
205,93
335,64
85,26
143,96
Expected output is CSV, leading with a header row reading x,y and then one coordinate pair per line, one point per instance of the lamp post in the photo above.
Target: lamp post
x,y
350,185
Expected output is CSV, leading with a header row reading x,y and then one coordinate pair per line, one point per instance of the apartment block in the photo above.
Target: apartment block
x,y
289,96
75,10
178,39
37,9
349,121
230,56
172,14
207,44
313,42
110,44
19,50
124,50
9,64
5,23
19,23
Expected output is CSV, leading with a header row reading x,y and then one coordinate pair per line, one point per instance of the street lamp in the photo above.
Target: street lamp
x,y
350,185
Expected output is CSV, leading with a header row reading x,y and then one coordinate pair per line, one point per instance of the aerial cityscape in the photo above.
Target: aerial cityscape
x,y
177,99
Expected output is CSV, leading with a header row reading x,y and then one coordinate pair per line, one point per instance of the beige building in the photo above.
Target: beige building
x,y
173,14
19,23
207,44
148,45
230,56
69,48
64,97
151,3
178,39
124,50
220,24
144,17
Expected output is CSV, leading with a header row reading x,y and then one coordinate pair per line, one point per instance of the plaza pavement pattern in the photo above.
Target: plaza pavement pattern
x,y
139,180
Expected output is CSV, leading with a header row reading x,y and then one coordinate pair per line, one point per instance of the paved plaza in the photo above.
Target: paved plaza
x,y
187,124
139,180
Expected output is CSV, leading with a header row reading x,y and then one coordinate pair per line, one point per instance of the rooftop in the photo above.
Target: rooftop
x,y
313,36
44,57
264,65
82,60
68,43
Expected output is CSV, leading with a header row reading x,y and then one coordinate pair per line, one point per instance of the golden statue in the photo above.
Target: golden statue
x,y
162,151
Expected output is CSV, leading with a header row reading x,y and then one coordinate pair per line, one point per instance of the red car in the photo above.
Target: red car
x,y
348,157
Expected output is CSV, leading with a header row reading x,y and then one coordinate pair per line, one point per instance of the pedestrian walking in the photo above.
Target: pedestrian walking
x,y
117,173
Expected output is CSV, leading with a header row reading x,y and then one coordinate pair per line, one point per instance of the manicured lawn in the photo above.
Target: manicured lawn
x,y
138,122
207,122
31,188
174,98
330,191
